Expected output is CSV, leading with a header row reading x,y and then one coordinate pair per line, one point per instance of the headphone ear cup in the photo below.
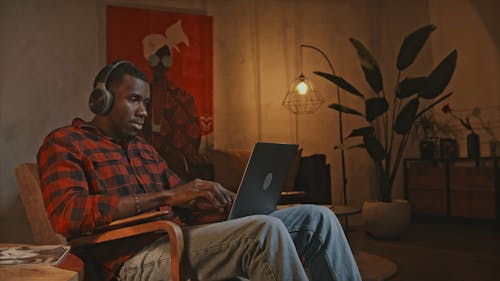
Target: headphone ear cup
x,y
100,101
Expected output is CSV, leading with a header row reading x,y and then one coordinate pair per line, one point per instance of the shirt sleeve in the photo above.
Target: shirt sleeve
x,y
70,208
172,178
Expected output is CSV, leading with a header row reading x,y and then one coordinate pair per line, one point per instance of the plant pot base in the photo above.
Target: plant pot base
x,y
386,220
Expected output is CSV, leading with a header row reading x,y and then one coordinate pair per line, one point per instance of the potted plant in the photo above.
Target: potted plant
x,y
389,119
473,148
427,145
439,136
494,142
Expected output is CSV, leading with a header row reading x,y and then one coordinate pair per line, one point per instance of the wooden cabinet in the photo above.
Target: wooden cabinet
x,y
426,187
458,188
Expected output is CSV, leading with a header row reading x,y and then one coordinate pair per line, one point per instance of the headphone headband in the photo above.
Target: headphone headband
x,y
112,67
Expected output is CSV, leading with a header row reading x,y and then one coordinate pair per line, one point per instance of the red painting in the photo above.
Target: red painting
x,y
175,52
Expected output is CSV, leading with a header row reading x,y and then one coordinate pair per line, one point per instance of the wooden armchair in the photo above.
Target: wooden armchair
x,y
29,187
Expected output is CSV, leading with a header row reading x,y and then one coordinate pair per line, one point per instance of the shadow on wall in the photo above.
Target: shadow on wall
x,y
488,10
15,223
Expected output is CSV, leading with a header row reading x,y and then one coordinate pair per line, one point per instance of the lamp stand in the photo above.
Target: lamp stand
x,y
296,128
341,129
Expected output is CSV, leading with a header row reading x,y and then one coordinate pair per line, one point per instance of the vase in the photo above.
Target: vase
x,y
448,148
386,220
473,147
494,148
427,149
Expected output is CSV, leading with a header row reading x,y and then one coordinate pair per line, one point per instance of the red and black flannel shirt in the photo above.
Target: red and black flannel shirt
x,y
83,174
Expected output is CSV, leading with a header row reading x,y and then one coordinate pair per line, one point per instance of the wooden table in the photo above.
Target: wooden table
x,y
69,269
344,211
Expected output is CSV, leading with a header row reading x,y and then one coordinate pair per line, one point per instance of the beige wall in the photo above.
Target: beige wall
x,y
473,28
51,50
48,54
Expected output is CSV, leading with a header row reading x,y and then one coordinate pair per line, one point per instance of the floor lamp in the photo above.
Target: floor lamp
x,y
302,98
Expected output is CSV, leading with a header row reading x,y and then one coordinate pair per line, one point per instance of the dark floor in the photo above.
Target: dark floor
x,y
438,250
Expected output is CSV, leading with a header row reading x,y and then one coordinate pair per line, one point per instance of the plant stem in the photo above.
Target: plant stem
x,y
382,181
401,149
386,126
390,140
394,111
404,141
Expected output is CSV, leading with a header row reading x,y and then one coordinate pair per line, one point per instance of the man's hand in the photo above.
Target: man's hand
x,y
201,195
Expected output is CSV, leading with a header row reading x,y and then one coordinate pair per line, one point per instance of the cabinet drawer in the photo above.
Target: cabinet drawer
x,y
472,178
426,178
427,202
473,204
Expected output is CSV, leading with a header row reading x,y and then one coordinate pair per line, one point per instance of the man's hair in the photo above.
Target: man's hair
x,y
116,76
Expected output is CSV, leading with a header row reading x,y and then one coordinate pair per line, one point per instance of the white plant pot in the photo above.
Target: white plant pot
x,y
386,220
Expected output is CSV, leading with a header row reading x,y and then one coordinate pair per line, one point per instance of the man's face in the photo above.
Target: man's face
x,y
127,115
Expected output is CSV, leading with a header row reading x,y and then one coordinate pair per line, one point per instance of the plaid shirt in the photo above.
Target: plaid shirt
x,y
83,174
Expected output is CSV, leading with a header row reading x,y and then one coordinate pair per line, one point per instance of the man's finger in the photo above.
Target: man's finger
x,y
208,196
222,193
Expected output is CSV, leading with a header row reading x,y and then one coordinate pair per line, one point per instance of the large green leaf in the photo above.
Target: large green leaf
x,y
410,86
440,77
375,107
406,117
412,45
339,81
374,148
344,109
364,131
370,66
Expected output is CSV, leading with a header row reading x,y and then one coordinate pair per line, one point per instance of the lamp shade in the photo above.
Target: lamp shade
x,y
301,97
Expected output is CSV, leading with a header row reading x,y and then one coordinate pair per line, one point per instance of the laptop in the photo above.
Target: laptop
x,y
265,174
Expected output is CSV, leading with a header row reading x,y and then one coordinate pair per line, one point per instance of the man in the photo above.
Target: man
x,y
95,172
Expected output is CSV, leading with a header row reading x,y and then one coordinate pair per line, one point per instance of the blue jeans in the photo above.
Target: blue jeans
x,y
256,247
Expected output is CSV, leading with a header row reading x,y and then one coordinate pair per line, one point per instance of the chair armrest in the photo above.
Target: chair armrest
x,y
203,218
143,217
173,230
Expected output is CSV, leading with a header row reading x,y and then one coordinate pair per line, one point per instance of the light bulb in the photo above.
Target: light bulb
x,y
302,88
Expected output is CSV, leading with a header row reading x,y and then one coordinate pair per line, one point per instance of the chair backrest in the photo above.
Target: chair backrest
x,y
28,183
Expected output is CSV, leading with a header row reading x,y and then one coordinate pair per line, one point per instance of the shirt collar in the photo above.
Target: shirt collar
x,y
84,125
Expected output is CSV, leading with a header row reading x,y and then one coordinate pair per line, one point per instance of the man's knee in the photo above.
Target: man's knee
x,y
318,212
263,225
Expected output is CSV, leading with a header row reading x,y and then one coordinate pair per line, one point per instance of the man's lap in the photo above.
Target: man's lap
x,y
205,243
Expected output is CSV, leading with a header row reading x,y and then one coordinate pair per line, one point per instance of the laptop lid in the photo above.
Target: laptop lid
x,y
263,179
